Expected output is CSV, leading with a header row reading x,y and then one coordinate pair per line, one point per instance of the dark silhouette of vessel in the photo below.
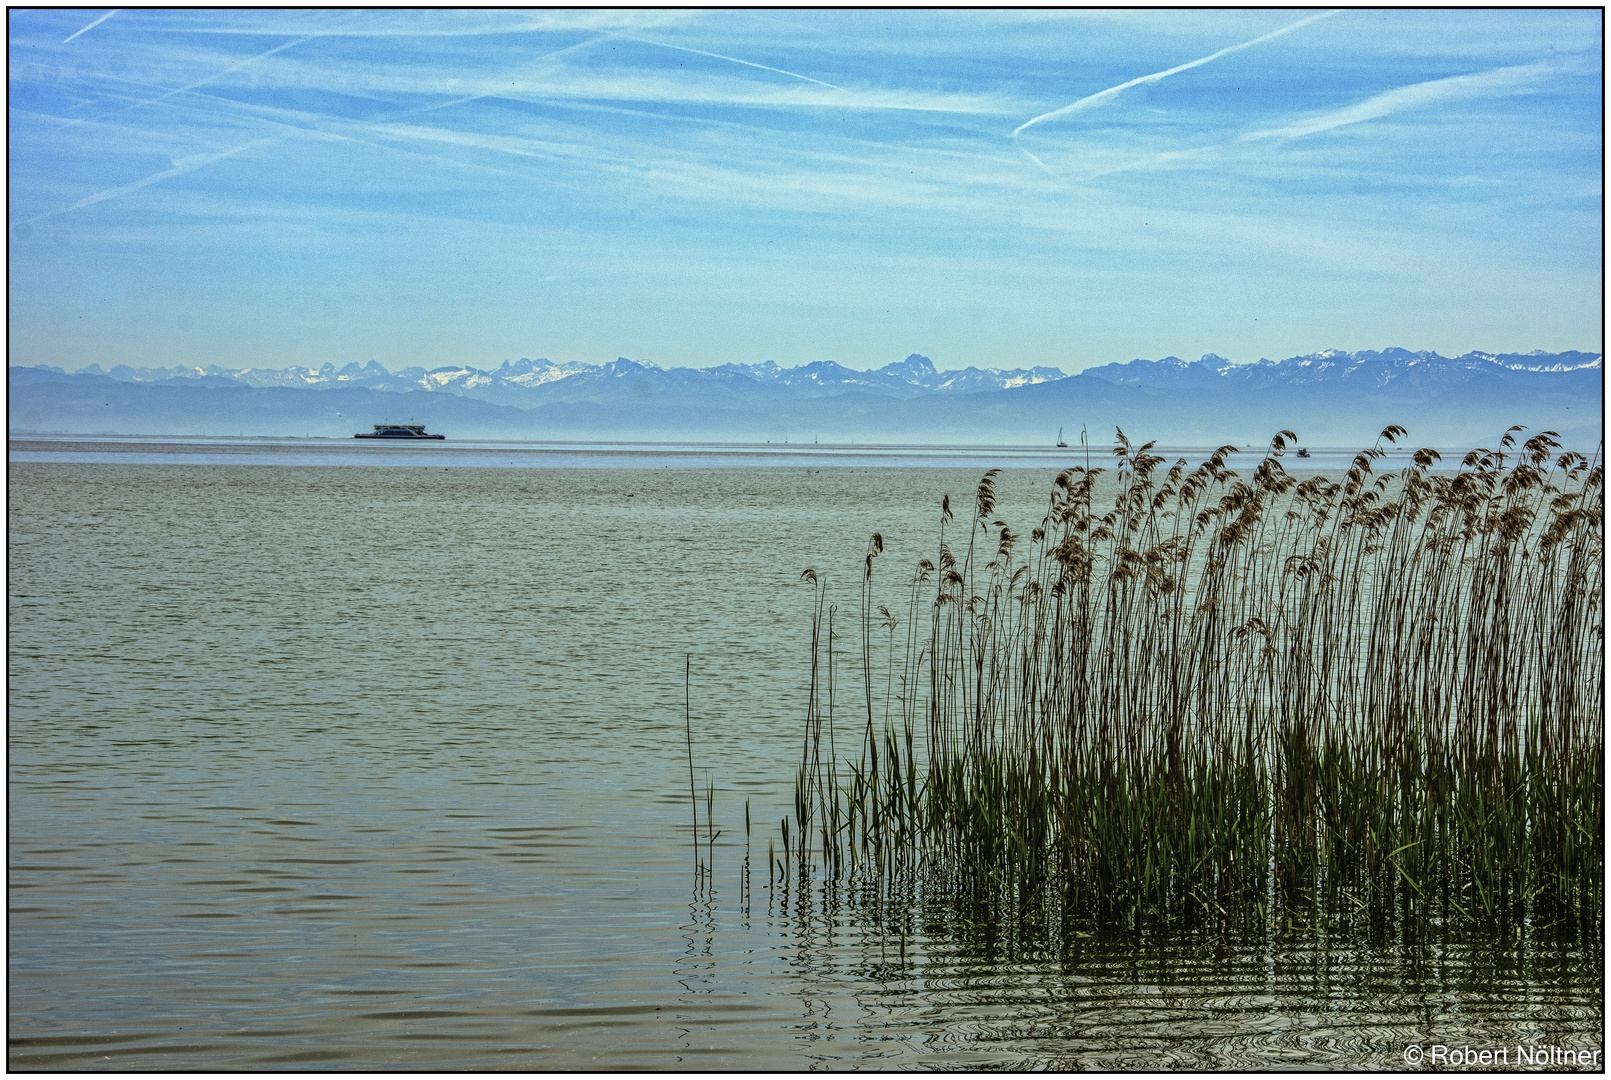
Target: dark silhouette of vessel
x,y
397,431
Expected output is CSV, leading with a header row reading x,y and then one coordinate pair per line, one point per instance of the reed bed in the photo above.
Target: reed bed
x,y
1230,698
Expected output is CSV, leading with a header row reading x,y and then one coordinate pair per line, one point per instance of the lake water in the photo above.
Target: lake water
x,y
319,764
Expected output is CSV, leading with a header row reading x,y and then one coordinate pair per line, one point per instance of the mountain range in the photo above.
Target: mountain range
x,y
528,382
1330,398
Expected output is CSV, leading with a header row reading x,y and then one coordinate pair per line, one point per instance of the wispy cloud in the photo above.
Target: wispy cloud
x,y
1484,84
747,166
635,84
417,23
1519,78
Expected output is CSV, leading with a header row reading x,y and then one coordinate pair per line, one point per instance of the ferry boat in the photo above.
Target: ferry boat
x,y
397,431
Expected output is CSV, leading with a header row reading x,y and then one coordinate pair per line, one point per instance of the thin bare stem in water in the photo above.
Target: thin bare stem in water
x,y
688,727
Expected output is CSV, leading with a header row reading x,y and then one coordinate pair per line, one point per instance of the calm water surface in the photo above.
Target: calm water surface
x,y
360,766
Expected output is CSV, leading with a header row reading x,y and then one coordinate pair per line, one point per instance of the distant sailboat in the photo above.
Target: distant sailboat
x,y
1060,441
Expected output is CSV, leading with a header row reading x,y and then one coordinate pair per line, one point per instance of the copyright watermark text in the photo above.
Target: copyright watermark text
x,y
1509,1056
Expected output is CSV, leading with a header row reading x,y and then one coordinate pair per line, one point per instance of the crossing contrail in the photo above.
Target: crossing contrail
x,y
736,60
198,83
1113,91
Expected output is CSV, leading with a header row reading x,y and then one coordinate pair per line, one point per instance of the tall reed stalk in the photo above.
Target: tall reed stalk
x,y
1227,697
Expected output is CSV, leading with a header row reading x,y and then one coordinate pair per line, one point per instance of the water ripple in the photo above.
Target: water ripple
x,y
351,768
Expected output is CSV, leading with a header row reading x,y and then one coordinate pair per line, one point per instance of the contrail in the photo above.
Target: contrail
x,y
178,170
199,82
1112,91
202,162
226,71
1038,161
736,60
490,93
92,25
192,166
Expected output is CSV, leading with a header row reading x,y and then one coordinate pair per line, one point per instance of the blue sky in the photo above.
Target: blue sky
x,y
997,188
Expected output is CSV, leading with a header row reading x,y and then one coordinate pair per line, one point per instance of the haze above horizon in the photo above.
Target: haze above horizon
x,y
991,189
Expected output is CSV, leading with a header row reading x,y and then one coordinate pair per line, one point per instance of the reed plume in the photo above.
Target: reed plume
x,y
1225,696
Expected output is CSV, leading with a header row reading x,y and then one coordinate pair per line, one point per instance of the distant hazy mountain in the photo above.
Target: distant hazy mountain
x,y
531,381
1330,398
1361,369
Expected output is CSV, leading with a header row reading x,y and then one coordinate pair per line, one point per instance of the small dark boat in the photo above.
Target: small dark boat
x,y
1060,441
397,431
1303,451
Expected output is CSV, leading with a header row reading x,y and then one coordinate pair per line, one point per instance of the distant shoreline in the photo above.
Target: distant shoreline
x,y
290,450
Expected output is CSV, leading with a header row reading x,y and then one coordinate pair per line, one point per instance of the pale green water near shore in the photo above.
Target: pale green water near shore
x,y
340,767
